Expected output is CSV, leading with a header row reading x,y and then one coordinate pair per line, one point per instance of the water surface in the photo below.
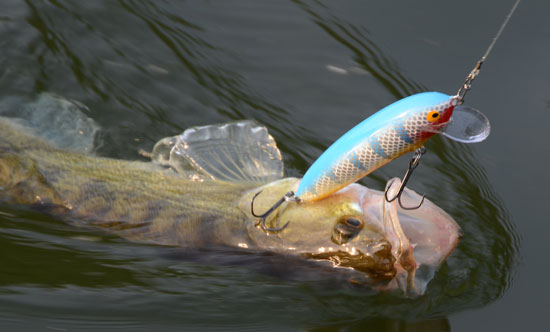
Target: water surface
x,y
309,71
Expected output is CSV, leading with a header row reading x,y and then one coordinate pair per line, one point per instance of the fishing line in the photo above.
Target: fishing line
x,y
467,85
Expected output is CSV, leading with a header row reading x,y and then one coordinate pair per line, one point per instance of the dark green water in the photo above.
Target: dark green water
x,y
309,71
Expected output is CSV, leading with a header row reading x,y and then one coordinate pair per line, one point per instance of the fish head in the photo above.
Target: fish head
x,y
356,228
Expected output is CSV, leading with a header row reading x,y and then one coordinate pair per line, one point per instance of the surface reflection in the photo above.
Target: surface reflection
x,y
366,53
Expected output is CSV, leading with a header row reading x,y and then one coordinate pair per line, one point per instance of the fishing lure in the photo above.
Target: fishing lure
x,y
401,127
391,132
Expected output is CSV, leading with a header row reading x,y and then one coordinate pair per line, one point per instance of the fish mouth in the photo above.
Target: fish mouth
x,y
378,262
421,239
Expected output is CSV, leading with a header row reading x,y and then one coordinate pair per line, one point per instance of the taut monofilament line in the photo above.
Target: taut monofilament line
x,y
467,85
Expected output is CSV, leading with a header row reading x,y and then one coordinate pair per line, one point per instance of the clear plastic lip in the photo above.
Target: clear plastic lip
x,y
467,125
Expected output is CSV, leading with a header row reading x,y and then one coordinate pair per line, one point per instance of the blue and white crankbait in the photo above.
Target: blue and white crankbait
x,y
391,132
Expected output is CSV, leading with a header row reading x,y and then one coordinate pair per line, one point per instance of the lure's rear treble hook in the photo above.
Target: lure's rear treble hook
x,y
289,196
412,165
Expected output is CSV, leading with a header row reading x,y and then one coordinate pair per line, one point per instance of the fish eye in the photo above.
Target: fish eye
x,y
353,222
433,116
346,229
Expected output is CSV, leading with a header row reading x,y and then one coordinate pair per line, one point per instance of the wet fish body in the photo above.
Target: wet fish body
x,y
180,199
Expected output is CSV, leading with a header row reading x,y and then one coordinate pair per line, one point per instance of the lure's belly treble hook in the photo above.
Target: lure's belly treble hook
x,y
412,165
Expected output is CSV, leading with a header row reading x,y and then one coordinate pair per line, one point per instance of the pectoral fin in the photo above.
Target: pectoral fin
x,y
240,151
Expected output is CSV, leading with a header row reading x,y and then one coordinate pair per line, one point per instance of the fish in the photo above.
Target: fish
x,y
196,192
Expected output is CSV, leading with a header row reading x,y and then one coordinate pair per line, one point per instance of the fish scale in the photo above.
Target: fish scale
x,y
389,133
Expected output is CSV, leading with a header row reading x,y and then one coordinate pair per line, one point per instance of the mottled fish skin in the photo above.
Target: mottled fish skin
x,y
134,199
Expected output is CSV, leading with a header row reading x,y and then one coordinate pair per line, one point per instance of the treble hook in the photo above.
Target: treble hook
x,y
412,165
289,196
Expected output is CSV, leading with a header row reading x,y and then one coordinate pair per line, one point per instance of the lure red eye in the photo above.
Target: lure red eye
x,y
433,116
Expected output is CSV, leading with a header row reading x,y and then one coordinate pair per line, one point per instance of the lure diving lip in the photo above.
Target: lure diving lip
x,y
467,125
